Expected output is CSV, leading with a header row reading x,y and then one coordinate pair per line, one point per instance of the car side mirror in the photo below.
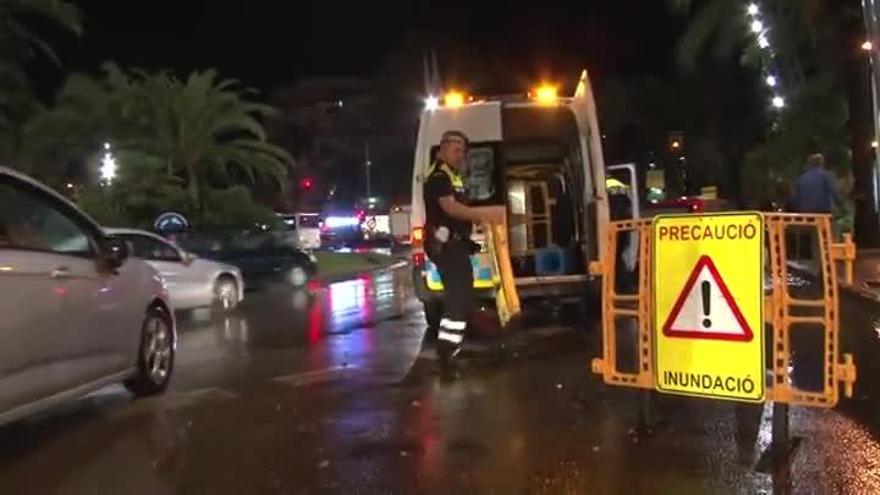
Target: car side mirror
x,y
187,259
114,252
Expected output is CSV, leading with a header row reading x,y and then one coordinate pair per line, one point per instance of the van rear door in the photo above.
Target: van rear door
x,y
595,199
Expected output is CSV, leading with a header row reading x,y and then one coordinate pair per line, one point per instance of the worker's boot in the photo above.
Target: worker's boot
x,y
447,354
430,336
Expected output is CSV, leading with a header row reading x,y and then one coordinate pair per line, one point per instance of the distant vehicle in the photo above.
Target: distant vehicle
x,y
376,226
264,258
687,204
307,227
342,228
193,282
400,227
77,314
541,156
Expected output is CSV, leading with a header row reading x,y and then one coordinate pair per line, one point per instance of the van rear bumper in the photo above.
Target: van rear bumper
x,y
527,287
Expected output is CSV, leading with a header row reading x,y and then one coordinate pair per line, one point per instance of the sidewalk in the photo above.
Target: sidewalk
x,y
866,275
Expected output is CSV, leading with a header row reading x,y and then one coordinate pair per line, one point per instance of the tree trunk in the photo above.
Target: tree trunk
x,y
855,75
856,79
192,186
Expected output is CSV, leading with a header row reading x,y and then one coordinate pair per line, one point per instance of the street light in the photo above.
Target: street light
x,y
867,46
771,81
778,101
752,9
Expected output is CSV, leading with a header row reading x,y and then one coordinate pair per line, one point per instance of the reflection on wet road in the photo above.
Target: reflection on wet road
x,y
328,390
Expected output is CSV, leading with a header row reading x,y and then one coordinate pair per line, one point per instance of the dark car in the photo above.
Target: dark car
x,y
264,258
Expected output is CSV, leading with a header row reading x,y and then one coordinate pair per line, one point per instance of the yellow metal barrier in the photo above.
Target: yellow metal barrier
x,y
636,306
783,310
846,252
506,296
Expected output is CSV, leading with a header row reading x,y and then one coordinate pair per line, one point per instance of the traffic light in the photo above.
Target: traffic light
x,y
306,183
676,142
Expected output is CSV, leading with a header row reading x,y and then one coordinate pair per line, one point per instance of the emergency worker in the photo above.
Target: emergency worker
x,y
449,221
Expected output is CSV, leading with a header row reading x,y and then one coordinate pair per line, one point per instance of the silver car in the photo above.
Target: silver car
x,y
77,315
193,282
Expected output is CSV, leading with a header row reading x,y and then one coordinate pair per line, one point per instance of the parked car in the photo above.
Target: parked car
x,y
264,258
192,281
77,314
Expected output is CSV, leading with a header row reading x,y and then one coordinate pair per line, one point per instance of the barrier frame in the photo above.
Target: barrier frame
x,y
779,308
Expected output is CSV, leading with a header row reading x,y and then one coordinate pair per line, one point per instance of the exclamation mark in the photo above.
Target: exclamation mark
x,y
705,288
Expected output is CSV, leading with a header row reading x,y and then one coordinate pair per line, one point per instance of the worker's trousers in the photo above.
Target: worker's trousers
x,y
453,261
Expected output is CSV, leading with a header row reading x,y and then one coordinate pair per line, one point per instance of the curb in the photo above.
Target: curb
x,y
851,289
863,293
349,276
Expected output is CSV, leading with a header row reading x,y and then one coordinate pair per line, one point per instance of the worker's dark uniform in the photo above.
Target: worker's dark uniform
x,y
453,257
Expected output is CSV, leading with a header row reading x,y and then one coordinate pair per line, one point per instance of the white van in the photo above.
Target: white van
x,y
399,218
539,154
307,227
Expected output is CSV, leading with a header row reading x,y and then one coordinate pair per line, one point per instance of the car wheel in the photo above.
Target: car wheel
x,y
225,294
298,276
156,355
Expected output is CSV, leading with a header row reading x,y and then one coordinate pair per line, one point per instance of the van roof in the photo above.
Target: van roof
x,y
479,120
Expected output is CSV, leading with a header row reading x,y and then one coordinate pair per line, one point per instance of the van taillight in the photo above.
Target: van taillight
x,y
418,259
418,237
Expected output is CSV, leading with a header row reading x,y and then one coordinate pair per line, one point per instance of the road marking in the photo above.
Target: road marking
x,y
312,377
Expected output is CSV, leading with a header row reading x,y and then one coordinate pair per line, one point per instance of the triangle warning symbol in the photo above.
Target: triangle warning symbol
x,y
706,309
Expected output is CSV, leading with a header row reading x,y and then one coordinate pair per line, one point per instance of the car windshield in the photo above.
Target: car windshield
x,y
310,221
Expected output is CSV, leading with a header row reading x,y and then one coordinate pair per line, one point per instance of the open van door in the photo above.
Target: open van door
x,y
628,190
595,204
622,187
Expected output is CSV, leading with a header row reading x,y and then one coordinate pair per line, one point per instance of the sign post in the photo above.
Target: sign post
x,y
708,302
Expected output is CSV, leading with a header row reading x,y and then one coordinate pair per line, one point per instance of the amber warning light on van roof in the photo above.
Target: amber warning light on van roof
x,y
454,99
546,94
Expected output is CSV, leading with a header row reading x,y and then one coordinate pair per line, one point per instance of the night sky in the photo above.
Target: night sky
x,y
484,47
270,43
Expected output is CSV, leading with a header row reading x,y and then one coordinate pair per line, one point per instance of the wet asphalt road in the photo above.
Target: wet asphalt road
x,y
330,391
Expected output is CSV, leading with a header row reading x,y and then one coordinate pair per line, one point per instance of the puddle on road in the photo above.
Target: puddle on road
x,y
280,318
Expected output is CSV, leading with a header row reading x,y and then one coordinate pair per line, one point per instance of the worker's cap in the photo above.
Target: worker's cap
x,y
453,137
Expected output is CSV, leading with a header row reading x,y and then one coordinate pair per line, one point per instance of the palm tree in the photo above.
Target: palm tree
x,y
815,49
203,128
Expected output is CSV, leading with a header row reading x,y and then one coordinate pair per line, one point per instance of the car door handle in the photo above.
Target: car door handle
x,y
60,272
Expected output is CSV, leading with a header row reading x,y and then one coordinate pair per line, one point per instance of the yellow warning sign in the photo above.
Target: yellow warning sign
x,y
708,305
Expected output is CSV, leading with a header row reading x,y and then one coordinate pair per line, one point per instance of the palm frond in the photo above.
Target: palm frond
x,y
713,17
59,12
20,40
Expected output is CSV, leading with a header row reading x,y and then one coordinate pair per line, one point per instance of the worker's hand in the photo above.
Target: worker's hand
x,y
494,214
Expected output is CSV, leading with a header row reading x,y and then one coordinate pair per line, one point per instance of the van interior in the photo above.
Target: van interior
x,y
538,173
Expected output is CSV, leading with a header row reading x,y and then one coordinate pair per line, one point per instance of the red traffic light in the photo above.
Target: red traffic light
x,y
306,183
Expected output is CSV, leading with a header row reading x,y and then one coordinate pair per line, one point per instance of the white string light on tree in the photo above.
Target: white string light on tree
x,y
108,166
758,27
